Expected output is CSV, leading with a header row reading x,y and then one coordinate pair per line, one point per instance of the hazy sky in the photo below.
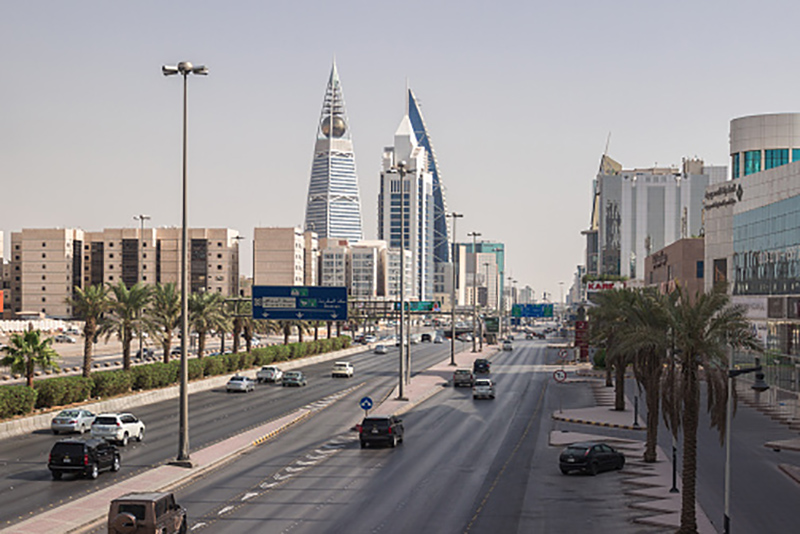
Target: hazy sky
x,y
519,98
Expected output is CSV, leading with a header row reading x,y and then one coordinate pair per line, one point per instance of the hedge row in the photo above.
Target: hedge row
x,y
49,392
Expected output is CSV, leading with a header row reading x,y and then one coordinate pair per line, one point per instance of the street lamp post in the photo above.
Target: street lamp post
x,y
184,68
474,235
400,168
141,219
759,385
486,265
561,300
455,217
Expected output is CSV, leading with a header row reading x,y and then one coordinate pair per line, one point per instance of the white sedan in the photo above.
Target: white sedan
x,y
240,383
119,427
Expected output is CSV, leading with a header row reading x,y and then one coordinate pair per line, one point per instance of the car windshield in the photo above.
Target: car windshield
x,y
483,383
292,374
462,372
69,413
380,423
574,449
68,449
237,378
107,420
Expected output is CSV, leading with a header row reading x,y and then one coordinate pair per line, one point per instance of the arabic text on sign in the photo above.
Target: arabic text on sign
x,y
275,302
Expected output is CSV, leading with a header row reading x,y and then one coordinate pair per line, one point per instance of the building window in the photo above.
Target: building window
x,y
700,269
219,267
775,157
796,154
752,162
44,277
110,278
44,266
111,256
44,244
44,255
44,299
219,256
44,288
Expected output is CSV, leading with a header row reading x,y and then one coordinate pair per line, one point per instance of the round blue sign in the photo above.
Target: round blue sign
x,y
365,403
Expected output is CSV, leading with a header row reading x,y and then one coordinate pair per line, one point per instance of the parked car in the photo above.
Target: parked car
x,y
269,373
294,378
145,353
426,337
370,339
85,458
381,429
72,332
507,345
381,349
344,369
481,366
483,389
463,377
240,383
590,457
64,338
72,420
146,513
119,427
176,351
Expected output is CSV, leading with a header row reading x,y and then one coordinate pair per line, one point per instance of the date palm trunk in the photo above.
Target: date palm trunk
x,y
619,385
691,414
89,329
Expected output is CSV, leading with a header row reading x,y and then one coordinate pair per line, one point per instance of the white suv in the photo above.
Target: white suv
x,y
119,427
344,369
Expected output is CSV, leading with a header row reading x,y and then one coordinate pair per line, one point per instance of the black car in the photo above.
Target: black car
x,y
590,457
86,458
381,429
481,366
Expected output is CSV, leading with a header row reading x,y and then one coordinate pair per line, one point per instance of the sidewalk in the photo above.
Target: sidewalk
x,y
649,483
90,511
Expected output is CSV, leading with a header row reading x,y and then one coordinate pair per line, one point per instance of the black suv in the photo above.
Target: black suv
x,y
86,458
386,429
481,367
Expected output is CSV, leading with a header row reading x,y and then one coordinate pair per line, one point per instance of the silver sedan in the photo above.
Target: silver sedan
x,y
73,420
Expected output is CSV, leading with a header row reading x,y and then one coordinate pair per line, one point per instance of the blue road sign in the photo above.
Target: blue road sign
x,y
300,303
365,403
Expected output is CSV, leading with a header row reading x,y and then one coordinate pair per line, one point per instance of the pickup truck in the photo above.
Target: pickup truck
x,y
269,373
462,377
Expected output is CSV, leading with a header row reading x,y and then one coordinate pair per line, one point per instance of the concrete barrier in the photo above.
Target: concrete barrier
x,y
31,423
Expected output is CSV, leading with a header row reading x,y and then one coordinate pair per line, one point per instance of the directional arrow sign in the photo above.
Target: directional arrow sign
x,y
365,403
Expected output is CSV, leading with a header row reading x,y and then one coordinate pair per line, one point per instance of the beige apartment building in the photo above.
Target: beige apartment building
x,y
46,264
279,256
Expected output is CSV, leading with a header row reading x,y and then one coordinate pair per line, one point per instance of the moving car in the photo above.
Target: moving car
x,y
145,353
590,457
269,373
85,458
438,338
63,338
240,383
294,378
342,369
463,377
370,339
381,429
483,389
481,366
119,427
381,349
426,338
507,345
72,420
147,513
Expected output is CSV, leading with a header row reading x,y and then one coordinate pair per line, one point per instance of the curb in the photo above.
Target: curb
x,y
595,423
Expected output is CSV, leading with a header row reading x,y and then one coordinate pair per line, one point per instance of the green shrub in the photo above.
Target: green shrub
x,y
62,390
16,400
297,350
196,368
155,375
282,353
262,356
111,383
213,366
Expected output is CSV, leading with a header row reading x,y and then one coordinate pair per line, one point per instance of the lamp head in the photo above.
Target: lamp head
x,y
168,70
760,384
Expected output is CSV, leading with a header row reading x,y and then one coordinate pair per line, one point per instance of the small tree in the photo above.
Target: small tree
x,y
205,314
165,315
28,350
127,319
90,305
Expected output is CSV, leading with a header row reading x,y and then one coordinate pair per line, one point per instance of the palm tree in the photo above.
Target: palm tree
x,y
286,328
702,328
645,333
606,321
165,315
91,306
127,319
205,314
26,351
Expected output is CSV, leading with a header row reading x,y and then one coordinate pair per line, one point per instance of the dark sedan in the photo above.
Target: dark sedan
x,y
590,457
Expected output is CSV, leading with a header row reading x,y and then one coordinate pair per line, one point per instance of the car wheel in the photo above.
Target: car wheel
x,y
184,527
115,465
593,468
363,446
56,475
394,441
564,471
93,472
55,432
124,440
621,463
140,437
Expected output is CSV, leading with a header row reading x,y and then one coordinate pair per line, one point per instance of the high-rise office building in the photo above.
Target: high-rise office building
x,y
408,199
441,241
333,209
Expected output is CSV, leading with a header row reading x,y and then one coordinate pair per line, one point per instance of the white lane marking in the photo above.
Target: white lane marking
x,y
278,477
265,485
301,462
315,458
225,510
198,525
249,495
294,469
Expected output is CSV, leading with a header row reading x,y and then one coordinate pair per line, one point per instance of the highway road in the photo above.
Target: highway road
x,y
465,466
25,483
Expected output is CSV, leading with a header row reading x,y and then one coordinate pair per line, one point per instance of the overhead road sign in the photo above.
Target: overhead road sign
x,y
532,310
300,303
420,306
492,324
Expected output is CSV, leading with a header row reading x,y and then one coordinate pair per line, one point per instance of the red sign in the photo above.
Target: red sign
x,y
603,286
582,339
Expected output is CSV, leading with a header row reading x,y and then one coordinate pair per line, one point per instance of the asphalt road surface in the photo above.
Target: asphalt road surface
x,y
465,466
25,482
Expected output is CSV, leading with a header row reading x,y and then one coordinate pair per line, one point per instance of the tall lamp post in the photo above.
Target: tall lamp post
x,y
184,68
760,386
474,235
561,300
455,217
141,219
400,168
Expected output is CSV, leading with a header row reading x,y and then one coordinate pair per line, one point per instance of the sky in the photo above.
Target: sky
x,y
520,98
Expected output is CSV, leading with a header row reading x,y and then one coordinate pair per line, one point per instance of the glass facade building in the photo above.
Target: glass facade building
x,y
333,209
